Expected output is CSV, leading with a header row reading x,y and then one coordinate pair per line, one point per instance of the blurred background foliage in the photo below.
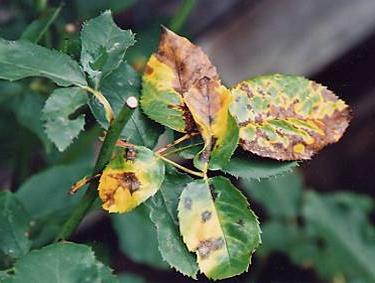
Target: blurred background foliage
x,y
317,228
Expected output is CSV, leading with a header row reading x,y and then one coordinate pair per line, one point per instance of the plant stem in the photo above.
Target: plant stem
x,y
182,148
182,14
187,170
176,142
104,157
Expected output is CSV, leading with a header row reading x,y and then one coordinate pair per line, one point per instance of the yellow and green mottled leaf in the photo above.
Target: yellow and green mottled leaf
x,y
217,224
133,175
287,117
208,102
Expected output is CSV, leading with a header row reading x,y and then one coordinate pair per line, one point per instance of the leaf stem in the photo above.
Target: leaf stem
x,y
182,148
99,96
187,170
182,15
104,157
180,140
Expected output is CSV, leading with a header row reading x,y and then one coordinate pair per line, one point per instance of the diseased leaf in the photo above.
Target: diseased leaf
x,y
61,262
182,90
208,102
137,237
22,59
14,229
103,46
131,177
217,224
247,168
163,213
35,31
117,87
63,102
287,117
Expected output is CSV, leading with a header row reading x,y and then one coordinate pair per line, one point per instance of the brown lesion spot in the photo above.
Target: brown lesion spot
x,y
206,215
188,203
148,70
206,247
128,181
130,154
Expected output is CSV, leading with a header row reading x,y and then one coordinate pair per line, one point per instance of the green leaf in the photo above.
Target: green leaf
x,y
35,31
45,196
62,262
163,213
130,178
217,224
280,196
22,59
343,228
103,46
14,229
244,167
117,87
60,129
287,117
137,237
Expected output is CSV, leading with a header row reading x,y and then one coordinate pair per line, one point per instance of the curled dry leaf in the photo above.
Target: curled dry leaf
x,y
134,175
182,90
287,117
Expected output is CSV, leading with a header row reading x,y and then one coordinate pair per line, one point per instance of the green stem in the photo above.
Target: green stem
x,y
182,14
104,157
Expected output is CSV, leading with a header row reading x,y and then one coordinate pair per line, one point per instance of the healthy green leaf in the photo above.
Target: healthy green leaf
x,y
137,237
63,102
35,31
280,196
246,168
103,46
14,229
22,59
343,228
62,262
217,224
287,117
117,87
163,213
45,196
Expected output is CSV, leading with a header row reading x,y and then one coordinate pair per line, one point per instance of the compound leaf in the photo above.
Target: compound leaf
x,y
63,102
131,177
62,262
14,229
182,90
22,59
117,87
163,213
217,224
287,117
103,46
247,168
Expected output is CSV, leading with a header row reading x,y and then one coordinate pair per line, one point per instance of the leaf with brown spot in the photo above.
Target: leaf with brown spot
x,y
130,179
182,90
209,227
287,117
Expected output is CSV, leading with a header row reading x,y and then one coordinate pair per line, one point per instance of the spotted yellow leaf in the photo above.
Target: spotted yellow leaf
x,y
133,175
217,224
182,90
287,117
